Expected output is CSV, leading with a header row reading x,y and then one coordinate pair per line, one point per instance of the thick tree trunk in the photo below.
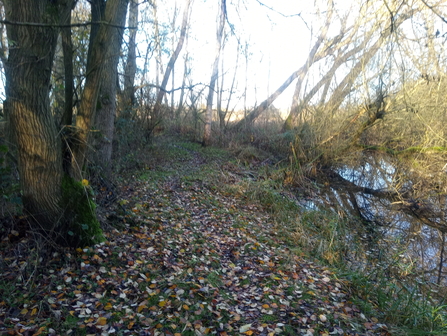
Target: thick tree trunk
x,y
28,73
209,102
98,52
67,117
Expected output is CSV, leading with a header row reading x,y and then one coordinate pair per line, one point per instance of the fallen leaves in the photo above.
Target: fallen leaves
x,y
192,260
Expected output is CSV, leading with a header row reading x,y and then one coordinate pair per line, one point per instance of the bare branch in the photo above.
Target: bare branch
x,y
434,11
274,10
85,24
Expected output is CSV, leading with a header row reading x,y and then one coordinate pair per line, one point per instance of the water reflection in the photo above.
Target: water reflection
x,y
403,226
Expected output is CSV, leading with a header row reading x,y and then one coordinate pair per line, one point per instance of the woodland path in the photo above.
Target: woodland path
x,y
183,256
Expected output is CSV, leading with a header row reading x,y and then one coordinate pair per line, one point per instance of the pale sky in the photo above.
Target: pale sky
x,y
279,45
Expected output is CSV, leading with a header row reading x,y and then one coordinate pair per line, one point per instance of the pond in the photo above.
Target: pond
x,y
401,215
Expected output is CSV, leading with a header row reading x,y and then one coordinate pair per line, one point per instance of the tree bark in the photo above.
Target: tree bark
x,y
209,102
98,52
67,48
28,74
106,106
67,117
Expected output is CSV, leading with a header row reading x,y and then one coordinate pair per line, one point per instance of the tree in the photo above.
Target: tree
x,y
28,74
130,69
100,49
106,107
367,35
315,55
59,206
209,102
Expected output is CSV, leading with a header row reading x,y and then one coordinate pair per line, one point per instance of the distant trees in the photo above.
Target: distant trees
x,y
353,47
170,67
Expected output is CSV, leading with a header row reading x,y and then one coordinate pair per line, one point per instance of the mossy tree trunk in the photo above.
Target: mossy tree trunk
x,y
58,207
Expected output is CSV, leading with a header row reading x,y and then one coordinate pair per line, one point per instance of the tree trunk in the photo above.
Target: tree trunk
x,y
182,91
158,60
295,112
106,106
67,117
28,74
67,48
220,89
209,102
128,100
305,69
115,10
249,118
344,88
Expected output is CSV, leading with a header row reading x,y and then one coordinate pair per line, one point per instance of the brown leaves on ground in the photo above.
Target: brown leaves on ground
x,y
190,261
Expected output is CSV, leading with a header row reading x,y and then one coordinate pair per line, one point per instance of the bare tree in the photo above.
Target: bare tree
x,y
209,102
170,67
345,86
315,55
186,72
157,41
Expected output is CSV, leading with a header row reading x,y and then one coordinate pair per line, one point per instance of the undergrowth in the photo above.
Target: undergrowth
x,y
413,308
323,235
256,170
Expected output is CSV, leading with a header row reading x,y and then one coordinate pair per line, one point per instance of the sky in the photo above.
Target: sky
x,y
278,45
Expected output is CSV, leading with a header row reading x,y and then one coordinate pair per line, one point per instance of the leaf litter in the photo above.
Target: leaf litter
x,y
188,259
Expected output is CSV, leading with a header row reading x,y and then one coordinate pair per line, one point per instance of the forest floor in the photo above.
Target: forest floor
x,y
186,253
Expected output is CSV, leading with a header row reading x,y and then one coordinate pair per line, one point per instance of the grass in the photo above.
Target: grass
x,y
322,235
316,234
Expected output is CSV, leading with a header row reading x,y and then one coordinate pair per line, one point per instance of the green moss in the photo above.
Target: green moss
x,y
83,228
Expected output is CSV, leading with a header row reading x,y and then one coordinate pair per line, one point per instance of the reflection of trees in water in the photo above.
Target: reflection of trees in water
x,y
402,216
